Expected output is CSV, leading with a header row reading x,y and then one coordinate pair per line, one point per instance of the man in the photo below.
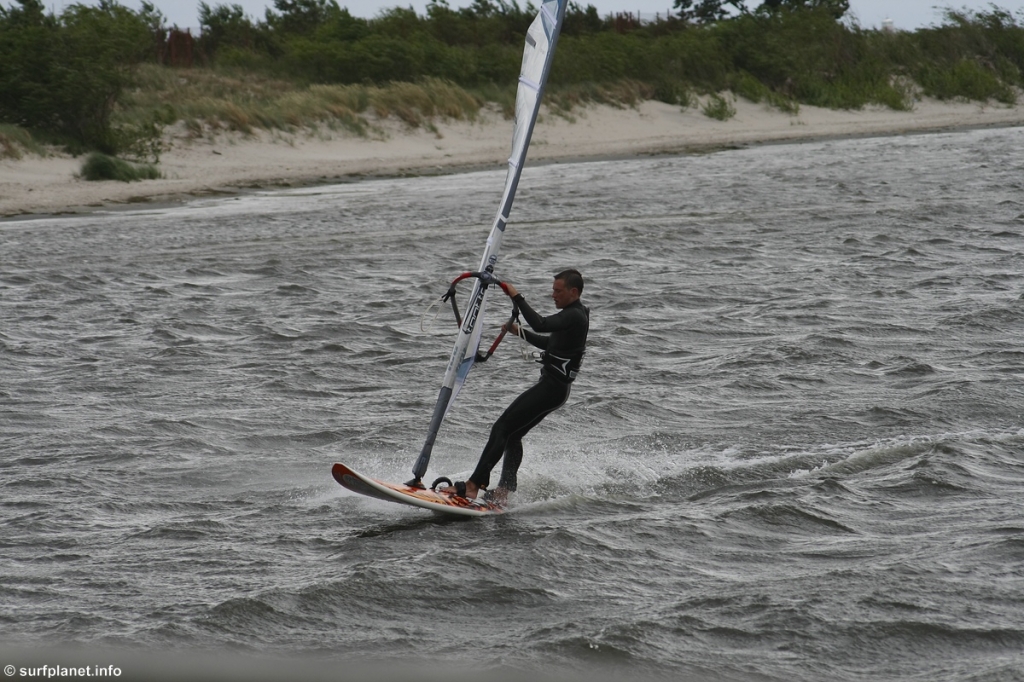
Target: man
x,y
563,338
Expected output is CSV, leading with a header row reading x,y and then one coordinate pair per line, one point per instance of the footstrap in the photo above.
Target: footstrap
x,y
443,479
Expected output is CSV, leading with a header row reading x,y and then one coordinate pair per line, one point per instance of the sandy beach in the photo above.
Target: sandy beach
x,y
231,162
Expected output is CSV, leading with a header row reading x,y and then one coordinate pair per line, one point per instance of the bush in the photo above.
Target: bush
x,y
718,108
102,167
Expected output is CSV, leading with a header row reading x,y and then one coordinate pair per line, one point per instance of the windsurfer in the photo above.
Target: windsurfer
x,y
563,338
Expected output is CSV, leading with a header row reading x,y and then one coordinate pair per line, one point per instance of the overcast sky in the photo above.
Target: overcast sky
x,y
905,14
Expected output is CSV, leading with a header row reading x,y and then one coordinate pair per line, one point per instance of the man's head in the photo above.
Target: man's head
x,y
567,288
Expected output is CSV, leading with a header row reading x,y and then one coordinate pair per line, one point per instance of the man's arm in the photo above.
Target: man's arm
x,y
534,339
563,319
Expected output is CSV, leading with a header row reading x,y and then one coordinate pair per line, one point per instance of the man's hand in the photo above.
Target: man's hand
x,y
514,328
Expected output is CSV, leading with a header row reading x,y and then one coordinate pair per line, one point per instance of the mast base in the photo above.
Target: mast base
x,y
416,483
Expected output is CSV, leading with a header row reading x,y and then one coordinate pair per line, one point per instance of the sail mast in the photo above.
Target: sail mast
x,y
538,54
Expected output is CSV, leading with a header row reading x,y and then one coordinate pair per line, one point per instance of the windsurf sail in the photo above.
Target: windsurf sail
x,y
538,54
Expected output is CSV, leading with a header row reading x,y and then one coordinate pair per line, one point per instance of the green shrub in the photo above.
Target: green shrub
x,y
718,108
965,79
99,166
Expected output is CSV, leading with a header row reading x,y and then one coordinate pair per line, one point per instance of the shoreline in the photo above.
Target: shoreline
x,y
231,163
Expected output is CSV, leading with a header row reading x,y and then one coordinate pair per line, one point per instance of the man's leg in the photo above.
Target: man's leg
x,y
523,414
510,464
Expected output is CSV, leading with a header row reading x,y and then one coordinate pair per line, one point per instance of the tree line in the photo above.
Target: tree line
x,y
64,72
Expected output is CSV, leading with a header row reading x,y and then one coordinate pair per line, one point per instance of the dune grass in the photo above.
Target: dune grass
x,y
245,101
227,99
230,99
622,93
15,142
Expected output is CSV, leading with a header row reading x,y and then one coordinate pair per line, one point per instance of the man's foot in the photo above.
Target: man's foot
x,y
498,496
466,489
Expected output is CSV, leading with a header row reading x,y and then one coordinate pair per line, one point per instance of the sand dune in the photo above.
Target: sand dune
x,y
229,162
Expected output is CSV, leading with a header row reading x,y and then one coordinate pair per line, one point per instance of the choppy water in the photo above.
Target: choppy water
x,y
796,451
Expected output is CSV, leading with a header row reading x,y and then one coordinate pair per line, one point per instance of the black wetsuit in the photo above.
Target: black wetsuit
x,y
563,338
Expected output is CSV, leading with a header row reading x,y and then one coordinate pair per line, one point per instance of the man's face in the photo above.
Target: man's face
x,y
563,295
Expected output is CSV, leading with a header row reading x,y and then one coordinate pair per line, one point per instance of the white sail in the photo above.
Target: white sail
x,y
541,39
